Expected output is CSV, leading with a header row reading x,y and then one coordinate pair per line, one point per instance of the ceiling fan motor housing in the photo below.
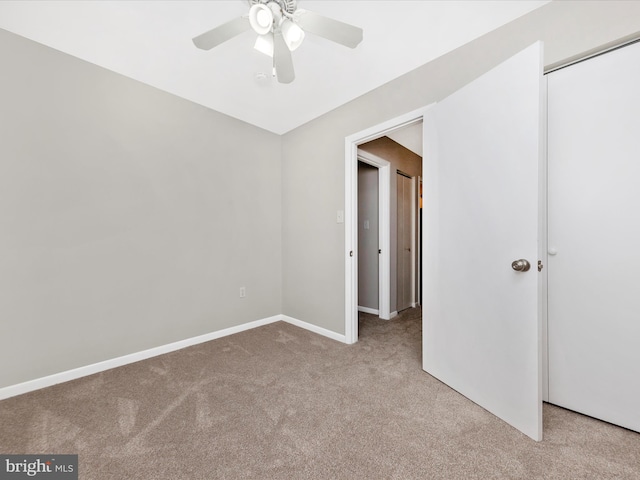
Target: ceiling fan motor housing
x,y
287,6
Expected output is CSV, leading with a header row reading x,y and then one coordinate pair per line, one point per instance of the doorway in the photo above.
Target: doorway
x,y
383,242
368,239
388,241
487,131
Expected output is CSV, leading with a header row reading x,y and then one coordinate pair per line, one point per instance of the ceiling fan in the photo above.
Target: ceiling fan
x,y
281,28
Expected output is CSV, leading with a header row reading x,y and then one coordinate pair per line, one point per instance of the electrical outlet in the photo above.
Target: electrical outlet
x,y
243,292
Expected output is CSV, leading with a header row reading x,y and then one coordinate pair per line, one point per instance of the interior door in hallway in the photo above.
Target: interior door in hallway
x,y
405,244
368,239
481,330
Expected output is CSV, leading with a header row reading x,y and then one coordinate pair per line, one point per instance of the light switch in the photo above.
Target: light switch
x,y
340,216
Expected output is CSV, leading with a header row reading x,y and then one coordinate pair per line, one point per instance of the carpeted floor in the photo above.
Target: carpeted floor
x,y
281,402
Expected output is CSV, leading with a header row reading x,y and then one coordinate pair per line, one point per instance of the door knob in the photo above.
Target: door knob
x,y
521,265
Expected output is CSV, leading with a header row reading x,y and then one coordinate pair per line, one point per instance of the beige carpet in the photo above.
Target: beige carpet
x,y
281,402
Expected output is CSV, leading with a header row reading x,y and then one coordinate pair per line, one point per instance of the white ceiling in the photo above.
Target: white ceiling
x,y
150,41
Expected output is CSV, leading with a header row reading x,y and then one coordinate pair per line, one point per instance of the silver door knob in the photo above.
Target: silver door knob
x,y
521,265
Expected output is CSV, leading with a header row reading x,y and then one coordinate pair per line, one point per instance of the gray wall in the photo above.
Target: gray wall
x,y
368,238
313,189
406,161
130,217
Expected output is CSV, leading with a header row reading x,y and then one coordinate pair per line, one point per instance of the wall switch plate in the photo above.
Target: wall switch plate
x,y
340,216
243,292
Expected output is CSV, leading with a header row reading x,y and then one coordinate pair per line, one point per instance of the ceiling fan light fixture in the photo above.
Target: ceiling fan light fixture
x,y
264,44
261,18
292,33
281,28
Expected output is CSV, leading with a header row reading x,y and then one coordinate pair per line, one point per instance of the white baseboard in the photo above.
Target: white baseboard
x,y
392,315
315,329
50,380
372,311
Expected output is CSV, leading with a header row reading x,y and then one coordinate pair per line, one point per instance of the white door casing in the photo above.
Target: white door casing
x,y
481,327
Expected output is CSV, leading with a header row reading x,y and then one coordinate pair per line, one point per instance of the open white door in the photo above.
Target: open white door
x,y
481,332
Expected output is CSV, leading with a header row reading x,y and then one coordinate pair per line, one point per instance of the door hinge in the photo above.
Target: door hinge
x,y
351,253
540,266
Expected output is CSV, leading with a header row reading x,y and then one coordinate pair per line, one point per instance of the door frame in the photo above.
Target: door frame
x,y
384,230
351,210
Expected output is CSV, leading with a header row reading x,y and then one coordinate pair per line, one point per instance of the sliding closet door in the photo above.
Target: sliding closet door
x,y
594,237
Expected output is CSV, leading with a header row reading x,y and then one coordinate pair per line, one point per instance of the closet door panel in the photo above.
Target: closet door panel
x,y
594,237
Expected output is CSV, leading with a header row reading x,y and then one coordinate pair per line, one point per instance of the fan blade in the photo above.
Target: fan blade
x,y
282,59
331,29
222,33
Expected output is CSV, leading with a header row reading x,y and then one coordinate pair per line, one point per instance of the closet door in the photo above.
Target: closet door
x,y
406,235
594,237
